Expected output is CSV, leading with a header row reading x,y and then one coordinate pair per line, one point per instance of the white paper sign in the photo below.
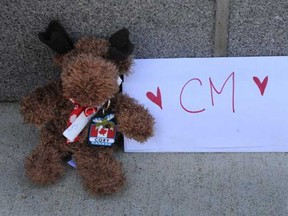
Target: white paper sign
x,y
213,104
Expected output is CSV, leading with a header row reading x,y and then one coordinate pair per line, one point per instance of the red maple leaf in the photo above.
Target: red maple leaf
x,y
103,131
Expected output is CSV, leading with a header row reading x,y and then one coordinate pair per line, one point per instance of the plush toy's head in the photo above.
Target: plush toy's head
x,y
91,69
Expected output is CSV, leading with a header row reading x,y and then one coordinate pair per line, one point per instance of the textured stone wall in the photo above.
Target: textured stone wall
x,y
159,28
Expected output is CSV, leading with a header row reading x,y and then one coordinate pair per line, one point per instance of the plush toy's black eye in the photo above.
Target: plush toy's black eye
x,y
56,38
121,46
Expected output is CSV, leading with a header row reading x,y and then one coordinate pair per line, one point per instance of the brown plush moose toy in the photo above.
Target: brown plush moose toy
x,y
84,113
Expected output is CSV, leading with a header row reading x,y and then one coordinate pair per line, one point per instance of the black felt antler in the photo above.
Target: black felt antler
x,y
56,38
121,46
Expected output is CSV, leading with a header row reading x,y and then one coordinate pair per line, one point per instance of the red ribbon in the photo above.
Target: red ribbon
x,y
76,112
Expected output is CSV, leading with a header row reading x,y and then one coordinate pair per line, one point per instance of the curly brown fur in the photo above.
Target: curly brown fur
x,y
124,66
100,172
40,106
94,46
83,74
133,119
44,164
90,78
97,48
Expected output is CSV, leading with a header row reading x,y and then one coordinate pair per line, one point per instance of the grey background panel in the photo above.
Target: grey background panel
x,y
165,28
157,184
258,27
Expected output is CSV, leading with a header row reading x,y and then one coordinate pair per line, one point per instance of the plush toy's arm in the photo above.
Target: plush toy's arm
x,y
133,120
39,106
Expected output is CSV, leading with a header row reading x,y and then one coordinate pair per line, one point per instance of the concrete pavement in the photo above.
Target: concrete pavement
x,y
157,184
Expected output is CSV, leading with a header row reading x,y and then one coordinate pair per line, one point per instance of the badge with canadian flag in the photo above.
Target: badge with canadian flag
x,y
102,131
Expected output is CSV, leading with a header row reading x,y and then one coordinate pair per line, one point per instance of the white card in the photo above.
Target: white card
x,y
77,126
213,104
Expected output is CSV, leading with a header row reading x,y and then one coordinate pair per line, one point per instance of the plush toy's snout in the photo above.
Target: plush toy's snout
x,y
90,80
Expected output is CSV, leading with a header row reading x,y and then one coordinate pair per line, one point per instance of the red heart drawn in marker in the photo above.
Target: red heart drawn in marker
x,y
155,99
261,85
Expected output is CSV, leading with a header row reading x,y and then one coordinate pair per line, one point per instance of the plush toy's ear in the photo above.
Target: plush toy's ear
x,y
56,38
121,46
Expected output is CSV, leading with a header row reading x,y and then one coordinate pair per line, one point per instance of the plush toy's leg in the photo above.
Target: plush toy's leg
x,y
101,172
44,164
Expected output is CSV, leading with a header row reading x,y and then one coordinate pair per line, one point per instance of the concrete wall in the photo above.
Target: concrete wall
x,y
258,27
162,28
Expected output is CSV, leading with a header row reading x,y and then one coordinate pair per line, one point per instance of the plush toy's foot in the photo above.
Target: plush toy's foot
x,y
104,178
43,166
101,173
